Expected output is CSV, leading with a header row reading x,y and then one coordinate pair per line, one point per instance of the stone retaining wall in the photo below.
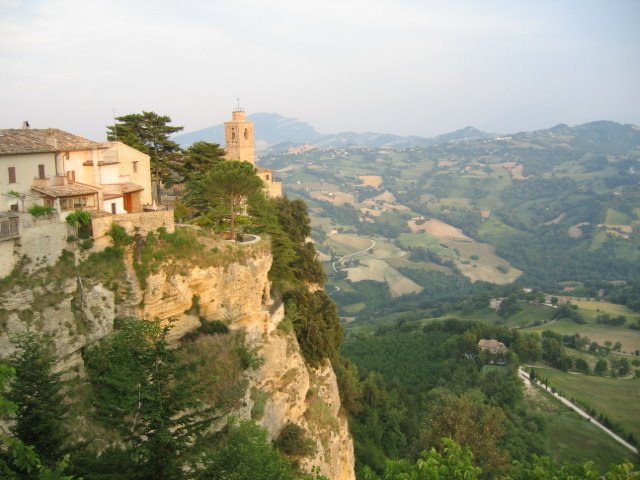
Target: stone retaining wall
x,y
142,222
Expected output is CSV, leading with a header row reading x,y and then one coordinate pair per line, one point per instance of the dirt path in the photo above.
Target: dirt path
x,y
525,377
373,244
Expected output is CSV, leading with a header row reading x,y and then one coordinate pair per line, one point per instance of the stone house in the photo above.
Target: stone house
x,y
54,168
492,346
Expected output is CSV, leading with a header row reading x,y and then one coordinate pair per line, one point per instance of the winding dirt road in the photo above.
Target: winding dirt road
x,y
373,244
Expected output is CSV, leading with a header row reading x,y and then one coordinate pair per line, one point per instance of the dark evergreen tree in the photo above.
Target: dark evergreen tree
x,y
38,393
149,133
223,192
151,396
198,159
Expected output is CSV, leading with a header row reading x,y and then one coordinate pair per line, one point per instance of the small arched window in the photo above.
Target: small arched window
x,y
233,133
246,134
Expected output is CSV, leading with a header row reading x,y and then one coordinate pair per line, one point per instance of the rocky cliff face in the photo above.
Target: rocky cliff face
x,y
283,390
287,389
72,317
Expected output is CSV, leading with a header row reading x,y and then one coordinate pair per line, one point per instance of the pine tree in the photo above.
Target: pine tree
x,y
149,133
38,393
198,159
145,391
223,192
171,417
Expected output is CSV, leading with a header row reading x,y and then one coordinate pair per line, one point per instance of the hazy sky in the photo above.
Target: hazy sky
x,y
394,66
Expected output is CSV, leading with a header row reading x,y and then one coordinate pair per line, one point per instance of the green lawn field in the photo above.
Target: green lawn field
x,y
590,309
526,316
565,430
617,398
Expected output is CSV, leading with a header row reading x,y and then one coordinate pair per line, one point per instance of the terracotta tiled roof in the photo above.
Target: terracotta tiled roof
x,y
120,188
131,187
42,140
491,344
71,190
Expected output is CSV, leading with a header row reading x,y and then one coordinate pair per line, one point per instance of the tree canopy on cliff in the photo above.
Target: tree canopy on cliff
x,y
198,159
150,133
37,391
224,192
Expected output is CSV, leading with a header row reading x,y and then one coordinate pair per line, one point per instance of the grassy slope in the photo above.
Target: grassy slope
x,y
566,430
617,398
528,315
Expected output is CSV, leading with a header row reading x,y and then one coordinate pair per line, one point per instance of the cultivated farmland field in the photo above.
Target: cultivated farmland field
x,y
630,339
591,309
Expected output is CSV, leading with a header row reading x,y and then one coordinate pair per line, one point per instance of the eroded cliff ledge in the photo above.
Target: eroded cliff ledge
x,y
78,310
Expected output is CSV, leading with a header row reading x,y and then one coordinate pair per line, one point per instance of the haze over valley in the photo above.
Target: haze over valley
x,y
425,265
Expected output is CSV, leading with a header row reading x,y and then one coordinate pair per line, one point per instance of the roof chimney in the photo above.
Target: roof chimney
x,y
25,125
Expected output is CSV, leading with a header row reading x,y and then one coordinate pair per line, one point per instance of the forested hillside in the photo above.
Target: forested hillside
x,y
543,207
532,239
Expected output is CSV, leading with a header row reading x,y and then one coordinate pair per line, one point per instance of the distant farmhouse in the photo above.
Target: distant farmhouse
x,y
57,169
492,346
239,144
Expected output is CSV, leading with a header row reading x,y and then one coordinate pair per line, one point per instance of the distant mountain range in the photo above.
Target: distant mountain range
x,y
278,133
270,128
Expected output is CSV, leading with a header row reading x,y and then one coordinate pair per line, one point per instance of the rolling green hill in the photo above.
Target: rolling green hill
x,y
549,206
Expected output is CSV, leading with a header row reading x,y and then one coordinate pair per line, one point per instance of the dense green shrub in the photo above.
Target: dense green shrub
x,y
315,320
119,236
39,210
294,441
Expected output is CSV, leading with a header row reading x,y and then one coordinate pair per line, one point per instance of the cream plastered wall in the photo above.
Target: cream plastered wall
x,y
26,166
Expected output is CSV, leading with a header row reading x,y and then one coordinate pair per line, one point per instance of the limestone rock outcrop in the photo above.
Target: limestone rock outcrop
x,y
81,313
73,317
290,390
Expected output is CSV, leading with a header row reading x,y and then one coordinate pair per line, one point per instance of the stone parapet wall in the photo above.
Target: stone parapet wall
x,y
7,257
142,222
42,241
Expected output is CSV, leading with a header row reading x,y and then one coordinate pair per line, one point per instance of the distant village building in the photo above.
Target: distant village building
x,y
239,144
54,168
492,346
496,303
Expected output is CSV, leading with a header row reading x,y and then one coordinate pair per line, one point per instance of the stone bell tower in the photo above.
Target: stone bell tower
x,y
239,141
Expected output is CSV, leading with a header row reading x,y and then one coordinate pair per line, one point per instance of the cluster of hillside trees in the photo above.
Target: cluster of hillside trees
x,y
424,402
145,412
